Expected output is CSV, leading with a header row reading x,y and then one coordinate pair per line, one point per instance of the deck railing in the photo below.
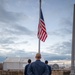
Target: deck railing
x,y
54,72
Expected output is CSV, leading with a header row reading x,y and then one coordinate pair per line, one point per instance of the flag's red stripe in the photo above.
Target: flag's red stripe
x,y
42,34
42,22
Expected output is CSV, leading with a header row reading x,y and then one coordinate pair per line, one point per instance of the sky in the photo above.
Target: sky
x,y
19,25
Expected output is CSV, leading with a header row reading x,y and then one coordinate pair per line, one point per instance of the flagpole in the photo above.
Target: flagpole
x,y
73,47
39,21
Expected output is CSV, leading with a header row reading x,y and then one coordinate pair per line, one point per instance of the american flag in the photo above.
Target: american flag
x,y
42,34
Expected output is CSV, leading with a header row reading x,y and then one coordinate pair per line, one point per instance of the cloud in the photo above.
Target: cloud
x,y
9,17
64,29
66,26
62,48
59,51
8,22
18,53
66,23
2,58
18,30
6,41
61,33
52,57
45,56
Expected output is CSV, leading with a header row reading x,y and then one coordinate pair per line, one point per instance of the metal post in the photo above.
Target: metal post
x,y
39,21
73,47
